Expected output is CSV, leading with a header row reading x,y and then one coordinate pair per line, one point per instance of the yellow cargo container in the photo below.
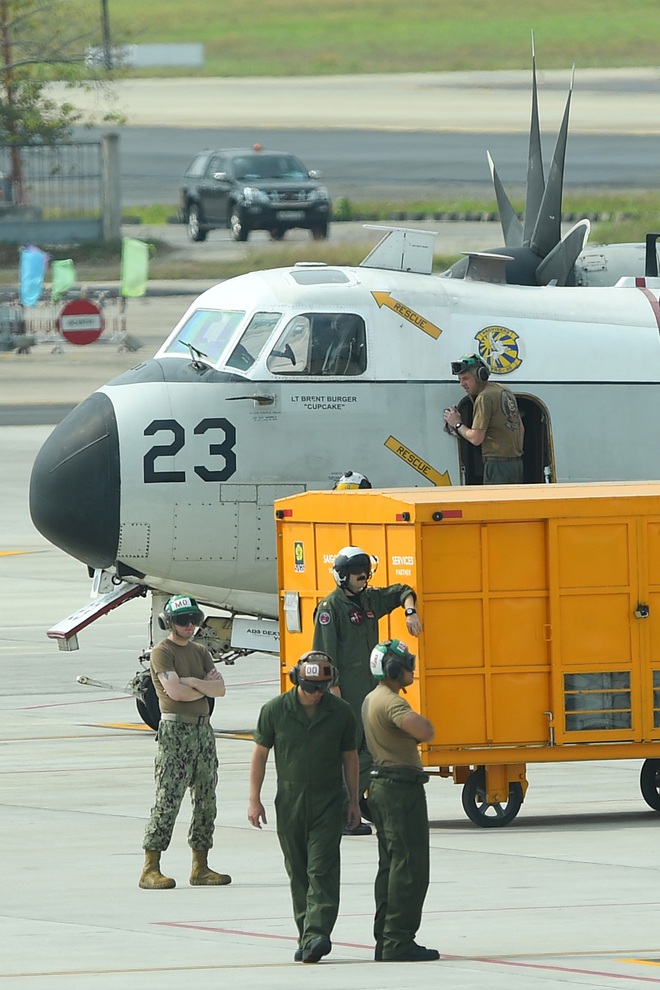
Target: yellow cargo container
x,y
541,614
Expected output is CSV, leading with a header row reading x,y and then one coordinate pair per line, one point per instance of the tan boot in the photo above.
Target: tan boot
x,y
152,878
201,875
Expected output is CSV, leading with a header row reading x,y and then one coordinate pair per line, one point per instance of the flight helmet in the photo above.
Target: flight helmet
x,y
352,560
352,479
474,364
389,659
314,671
182,607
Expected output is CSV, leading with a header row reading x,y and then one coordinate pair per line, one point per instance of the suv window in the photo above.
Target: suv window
x,y
332,344
197,167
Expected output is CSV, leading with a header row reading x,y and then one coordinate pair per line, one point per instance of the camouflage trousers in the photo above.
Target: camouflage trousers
x,y
186,759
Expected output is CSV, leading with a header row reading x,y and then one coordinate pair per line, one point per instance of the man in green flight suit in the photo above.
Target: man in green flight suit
x,y
346,628
313,734
398,805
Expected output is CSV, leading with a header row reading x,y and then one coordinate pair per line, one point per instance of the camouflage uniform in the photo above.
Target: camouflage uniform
x,y
186,756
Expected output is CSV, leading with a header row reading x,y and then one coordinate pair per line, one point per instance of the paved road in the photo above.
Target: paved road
x,y
390,136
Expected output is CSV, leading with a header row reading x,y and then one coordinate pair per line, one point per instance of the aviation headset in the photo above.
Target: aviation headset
x,y
314,671
178,608
389,659
352,560
474,364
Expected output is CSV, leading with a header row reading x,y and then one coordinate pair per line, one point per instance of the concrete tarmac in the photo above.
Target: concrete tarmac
x,y
565,896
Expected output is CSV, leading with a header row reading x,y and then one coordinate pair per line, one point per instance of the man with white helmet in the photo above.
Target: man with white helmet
x,y
398,805
346,628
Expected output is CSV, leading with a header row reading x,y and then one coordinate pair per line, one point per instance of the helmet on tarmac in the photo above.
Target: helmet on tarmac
x,y
180,611
350,480
352,560
389,659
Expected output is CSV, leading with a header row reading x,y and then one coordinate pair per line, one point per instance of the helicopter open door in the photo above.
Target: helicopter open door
x,y
538,458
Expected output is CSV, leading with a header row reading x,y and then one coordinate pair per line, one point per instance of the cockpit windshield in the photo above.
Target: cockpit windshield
x,y
252,341
207,331
321,344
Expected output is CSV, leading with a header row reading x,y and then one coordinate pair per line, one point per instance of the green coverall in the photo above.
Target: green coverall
x,y
346,628
310,801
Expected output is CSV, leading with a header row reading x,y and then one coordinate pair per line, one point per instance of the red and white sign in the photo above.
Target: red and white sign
x,y
81,321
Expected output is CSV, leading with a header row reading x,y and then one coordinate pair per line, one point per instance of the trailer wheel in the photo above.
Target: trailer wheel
x,y
149,709
489,815
649,783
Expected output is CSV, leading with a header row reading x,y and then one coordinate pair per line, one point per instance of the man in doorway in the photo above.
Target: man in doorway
x,y
496,424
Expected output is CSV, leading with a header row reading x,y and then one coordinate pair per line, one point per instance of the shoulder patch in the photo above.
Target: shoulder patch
x,y
324,618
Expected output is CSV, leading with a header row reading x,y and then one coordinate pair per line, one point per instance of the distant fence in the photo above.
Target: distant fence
x,y
64,194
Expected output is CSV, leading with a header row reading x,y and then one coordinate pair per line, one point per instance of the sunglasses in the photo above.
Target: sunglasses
x,y
184,622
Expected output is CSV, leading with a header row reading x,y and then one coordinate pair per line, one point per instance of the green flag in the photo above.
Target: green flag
x,y
134,267
63,274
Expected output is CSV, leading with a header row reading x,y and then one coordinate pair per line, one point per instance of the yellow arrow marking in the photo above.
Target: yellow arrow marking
x,y
385,299
418,463
17,553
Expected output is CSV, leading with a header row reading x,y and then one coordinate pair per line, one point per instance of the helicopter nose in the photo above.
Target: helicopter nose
x,y
75,484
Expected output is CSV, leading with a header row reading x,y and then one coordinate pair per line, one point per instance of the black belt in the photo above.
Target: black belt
x,y
501,458
189,719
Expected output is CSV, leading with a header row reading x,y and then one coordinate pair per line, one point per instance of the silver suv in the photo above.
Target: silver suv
x,y
249,189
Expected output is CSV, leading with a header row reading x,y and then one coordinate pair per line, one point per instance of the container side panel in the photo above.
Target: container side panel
x,y
519,631
453,634
452,559
595,630
519,703
594,556
456,704
517,557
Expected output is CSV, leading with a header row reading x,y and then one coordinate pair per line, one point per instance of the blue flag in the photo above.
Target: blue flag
x,y
32,271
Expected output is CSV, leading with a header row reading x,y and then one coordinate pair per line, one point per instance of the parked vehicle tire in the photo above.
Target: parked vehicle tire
x,y
239,229
277,233
649,782
196,230
480,811
320,232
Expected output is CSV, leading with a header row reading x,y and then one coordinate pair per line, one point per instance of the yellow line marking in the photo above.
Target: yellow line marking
x,y
386,299
17,553
417,462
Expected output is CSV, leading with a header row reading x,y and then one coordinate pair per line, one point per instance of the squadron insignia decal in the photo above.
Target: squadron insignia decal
x,y
498,347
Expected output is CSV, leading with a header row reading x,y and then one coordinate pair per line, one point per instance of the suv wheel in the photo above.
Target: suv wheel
x,y
239,229
196,232
320,232
277,233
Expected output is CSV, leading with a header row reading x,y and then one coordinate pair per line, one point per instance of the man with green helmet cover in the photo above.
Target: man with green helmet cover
x,y
184,676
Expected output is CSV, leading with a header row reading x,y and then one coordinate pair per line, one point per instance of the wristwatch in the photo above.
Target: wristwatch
x,y
411,611
458,426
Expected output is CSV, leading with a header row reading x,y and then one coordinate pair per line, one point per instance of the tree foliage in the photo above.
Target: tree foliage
x,y
42,41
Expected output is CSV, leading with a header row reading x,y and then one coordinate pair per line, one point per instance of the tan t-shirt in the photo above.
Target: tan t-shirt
x,y
496,412
190,660
383,710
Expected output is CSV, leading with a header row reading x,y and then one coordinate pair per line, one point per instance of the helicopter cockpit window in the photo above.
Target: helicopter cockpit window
x,y
252,341
332,344
207,331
